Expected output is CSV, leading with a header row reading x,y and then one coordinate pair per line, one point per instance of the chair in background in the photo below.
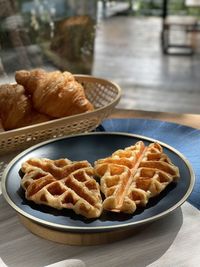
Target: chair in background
x,y
173,26
128,6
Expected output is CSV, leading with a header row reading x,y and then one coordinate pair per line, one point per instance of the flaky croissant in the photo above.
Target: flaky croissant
x,y
15,108
54,93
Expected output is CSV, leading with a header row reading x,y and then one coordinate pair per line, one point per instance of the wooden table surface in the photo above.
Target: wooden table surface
x,y
192,120
155,245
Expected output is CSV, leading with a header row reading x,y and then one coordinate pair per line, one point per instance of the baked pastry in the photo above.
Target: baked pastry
x,y
54,93
128,157
16,109
130,177
62,184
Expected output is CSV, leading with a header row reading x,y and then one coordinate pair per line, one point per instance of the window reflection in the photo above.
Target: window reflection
x,y
47,33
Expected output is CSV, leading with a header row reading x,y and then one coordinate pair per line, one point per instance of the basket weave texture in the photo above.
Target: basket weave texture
x,y
103,94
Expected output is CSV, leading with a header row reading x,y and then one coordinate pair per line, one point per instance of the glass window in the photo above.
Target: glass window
x,y
51,34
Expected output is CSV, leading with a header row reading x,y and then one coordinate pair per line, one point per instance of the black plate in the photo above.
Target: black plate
x,y
91,147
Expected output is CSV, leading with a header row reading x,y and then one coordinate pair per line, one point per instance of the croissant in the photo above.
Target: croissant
x,y
16,109
54,93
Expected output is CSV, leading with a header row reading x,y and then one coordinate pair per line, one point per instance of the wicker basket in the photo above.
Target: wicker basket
x,y
103,94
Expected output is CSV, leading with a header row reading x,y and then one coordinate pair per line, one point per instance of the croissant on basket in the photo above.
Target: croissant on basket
x,y
54,93
16,109
41,96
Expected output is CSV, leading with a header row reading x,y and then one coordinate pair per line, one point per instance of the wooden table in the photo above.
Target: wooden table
x,y
192,120
153,245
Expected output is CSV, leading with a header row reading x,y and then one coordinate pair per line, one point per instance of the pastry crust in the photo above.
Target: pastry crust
x,y
54,93
16,109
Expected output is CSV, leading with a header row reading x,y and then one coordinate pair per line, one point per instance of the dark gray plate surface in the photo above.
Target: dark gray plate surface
x,y
92,147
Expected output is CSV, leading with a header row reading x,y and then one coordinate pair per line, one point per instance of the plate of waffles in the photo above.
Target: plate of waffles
x,y
97,182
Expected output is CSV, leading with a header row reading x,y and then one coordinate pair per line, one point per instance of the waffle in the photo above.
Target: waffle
x,y
128,157
62,184
130,177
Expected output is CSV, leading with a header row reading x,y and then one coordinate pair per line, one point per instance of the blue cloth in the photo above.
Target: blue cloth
x,y
183,138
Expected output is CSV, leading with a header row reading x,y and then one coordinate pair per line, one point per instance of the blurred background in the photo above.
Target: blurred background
x,y
151,48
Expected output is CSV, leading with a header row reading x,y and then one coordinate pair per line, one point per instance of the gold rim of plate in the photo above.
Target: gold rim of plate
x,y
76,239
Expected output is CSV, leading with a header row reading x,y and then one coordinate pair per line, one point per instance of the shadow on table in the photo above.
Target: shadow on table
x,y
144,247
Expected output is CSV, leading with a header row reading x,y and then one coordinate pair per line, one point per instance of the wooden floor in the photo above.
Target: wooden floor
x,y
127,51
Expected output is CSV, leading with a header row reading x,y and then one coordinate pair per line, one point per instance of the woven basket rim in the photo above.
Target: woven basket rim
x,y
68,119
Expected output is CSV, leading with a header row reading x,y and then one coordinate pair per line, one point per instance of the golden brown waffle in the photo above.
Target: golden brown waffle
x,y
127,157
62,184
131,176
155,170
36,167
